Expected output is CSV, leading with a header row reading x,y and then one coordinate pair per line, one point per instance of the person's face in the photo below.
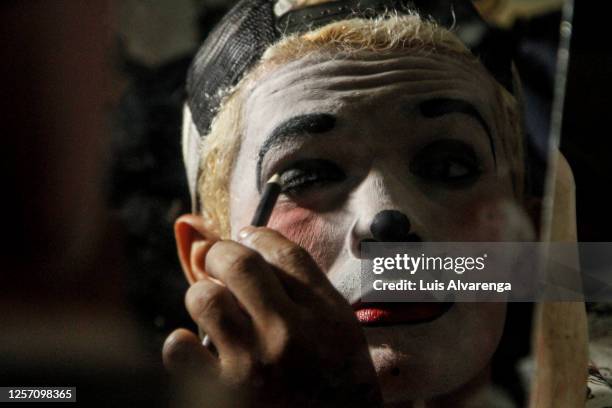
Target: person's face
x,y
409,132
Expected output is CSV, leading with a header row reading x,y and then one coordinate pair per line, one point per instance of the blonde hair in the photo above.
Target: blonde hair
x,y
343,38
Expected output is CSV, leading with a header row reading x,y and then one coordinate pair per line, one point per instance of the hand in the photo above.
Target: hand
x,y
284,335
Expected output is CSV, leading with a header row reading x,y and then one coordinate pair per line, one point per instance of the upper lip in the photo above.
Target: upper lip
x,y
446,306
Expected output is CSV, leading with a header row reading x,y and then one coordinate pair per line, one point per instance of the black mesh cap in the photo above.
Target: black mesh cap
x,y
236,44
242,36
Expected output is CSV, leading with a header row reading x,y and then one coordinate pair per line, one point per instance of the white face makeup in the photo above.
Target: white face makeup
x,y
406,131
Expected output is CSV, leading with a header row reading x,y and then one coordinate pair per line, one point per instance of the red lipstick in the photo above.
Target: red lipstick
x,y
389,313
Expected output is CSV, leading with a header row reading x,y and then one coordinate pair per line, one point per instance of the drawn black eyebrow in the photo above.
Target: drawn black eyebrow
x,y
433,108
311,123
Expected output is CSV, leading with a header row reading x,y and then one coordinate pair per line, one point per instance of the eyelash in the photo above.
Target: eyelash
x,y
307,174
433,163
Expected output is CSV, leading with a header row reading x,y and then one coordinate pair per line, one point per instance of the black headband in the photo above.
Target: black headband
x,y
242,36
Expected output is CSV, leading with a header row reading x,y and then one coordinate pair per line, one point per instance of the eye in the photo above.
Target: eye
x,y
449,162
304,175
457,170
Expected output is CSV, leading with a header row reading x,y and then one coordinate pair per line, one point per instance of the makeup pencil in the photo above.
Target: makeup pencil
x,y
268,199
270,194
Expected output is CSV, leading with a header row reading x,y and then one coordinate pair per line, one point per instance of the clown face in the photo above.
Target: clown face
x,y
413,134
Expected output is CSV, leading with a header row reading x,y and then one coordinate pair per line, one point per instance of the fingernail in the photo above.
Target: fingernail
x,y
245,232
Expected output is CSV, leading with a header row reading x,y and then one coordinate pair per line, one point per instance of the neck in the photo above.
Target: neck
x,y
459,398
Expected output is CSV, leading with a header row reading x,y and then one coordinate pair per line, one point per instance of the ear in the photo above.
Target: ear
x,y
194,237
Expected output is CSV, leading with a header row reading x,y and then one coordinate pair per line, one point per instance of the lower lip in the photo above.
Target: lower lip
x,y
384,314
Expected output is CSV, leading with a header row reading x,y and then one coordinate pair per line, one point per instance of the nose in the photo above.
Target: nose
x,y
386,226
383,209
391,226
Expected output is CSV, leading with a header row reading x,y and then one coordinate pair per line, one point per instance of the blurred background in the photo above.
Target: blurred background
x,y
91,107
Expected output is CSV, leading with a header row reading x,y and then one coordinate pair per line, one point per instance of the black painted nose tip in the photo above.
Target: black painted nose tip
x,y
390,226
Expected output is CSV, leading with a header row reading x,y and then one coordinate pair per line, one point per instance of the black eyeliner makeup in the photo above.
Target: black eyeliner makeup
x,y
269,196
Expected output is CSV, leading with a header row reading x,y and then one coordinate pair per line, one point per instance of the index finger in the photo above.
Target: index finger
x,y
297,267
250,279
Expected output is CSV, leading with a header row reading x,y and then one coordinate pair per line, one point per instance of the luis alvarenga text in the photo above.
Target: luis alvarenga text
x,y
412,264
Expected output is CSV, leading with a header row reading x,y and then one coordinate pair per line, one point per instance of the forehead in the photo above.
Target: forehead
x,y
364,84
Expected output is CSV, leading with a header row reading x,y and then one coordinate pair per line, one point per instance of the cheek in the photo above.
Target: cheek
x,y
486,212
489,219
310,230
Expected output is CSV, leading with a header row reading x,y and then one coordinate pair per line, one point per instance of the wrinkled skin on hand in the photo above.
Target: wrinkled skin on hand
x,y
284,335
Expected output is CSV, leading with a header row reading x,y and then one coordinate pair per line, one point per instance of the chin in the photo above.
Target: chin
x,y
425,360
